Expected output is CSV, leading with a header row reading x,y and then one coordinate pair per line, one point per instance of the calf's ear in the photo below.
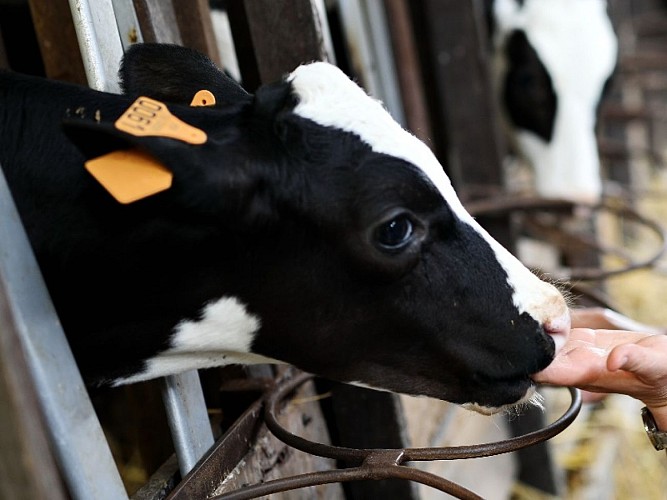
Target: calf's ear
x,y
173,74
215,177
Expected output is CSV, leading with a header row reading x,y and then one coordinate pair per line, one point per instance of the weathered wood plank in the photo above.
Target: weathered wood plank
x,y
57,40
157,19
464,110
4,62
196,27
281,46
249,454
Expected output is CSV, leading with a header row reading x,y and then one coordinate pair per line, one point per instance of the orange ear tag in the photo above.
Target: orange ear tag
x,y
148,117
203,98
129,175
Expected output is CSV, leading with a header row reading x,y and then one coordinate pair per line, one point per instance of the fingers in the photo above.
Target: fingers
x,y
644,361
585,358
579,362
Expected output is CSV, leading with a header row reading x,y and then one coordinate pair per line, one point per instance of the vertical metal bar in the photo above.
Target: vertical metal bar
x,y
406,57
367,36
380,40
187,417
102,51
127,23
99,42
80,445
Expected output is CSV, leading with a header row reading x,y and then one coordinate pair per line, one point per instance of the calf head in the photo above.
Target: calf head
x,y
308,228
553,60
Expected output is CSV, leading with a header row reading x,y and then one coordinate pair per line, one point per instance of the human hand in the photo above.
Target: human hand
x,y
619,361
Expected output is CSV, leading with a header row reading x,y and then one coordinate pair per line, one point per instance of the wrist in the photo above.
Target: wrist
x,y
659,416
657,437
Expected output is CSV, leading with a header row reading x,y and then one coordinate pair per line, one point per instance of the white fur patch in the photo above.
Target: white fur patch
x,y
576,43
222,336
328,97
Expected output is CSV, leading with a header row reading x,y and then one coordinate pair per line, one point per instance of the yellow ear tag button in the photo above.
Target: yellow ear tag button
x,y
148,117
203,98
129,175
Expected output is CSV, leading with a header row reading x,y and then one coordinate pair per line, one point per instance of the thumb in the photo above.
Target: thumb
x,y
637,359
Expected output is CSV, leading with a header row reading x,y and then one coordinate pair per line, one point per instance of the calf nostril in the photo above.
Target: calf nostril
x,y
558,329
558,325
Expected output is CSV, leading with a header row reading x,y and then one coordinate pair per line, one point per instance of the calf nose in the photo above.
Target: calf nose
x,y
549,309
558,327
559,324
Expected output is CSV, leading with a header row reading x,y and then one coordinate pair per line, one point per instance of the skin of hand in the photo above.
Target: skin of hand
x,y
619,361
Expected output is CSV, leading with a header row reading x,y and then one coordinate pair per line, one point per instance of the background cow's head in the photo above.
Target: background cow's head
x,y
553,59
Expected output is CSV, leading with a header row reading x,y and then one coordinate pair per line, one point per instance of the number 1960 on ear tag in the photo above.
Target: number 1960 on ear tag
x,y
148,117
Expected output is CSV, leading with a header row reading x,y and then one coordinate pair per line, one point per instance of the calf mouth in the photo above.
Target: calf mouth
x,y
523,387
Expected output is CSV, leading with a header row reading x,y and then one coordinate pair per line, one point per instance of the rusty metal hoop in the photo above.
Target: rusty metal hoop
x,y
503,205
383,463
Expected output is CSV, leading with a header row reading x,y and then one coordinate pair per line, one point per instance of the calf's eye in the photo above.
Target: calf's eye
x,y
395,234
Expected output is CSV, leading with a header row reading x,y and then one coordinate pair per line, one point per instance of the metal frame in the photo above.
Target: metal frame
x,y
102,45
76,435
79,443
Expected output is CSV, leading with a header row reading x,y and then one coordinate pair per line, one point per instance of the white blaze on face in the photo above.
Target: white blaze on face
x,y
328,97
576,43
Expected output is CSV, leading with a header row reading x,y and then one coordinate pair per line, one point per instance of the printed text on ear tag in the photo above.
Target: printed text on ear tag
x,y
129,175
148,117
203,98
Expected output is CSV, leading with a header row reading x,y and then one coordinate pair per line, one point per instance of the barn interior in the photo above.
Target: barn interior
x,y
431,64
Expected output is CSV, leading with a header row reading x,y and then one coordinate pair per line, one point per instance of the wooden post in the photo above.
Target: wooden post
x,y
275,36
57,40
196,27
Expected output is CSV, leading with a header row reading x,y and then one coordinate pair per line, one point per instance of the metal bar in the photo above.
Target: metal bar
x,y
99,43
221,459
102,51
127,23
27,462
369,463
187,417
406,57
80,446
367,37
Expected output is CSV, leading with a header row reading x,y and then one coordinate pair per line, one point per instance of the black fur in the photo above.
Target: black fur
x,y
273,209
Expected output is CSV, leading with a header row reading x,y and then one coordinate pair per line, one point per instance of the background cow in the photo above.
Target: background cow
x,y
302,225
553,59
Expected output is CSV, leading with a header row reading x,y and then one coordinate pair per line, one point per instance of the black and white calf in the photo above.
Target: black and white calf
x,y
553,59
303,225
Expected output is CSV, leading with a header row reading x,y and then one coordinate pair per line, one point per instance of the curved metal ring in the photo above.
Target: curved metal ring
x,y
383,463
505,205
410,454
